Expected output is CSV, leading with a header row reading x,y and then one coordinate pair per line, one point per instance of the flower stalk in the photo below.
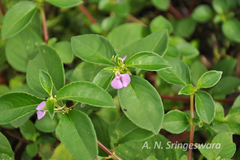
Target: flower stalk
x,y
191,127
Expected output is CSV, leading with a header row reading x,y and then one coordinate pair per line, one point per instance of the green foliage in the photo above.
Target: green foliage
x,y
5,148
202,13
46,81
28,131
230,29
204,106
17,18
141,96
48,61
209,79
175,122
156,42
160,23
46,124
68,3
161,4
220,6
83,92
147,61
178,74
77,134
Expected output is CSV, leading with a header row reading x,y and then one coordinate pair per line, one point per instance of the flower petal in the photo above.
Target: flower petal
x,y
116,83
125,79
124,58
40,114
41,105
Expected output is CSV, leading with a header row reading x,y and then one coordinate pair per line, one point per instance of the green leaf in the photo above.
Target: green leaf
x,y
104,78
48,61
83,92
178,74
220,6
151,158
209,79
127,131
218,128
236,104
227,66
46,81
146,101
85,72
64,50
227,147
233,116
3,89
65,4
172,51
77,134
22,47
230,29
121,8
206,152
17,18
62,153
28,131
175,122
101,129
125,38
197,69
187,50
187,90
93,48
161,4
185,27
160,23
32,149
16,105
202,13
147,61
156,42
221,88
50,105
157,146
204,106
46,124
219,112
20,121
6,152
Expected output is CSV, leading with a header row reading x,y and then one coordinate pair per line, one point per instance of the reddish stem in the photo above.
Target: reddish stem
x,y
108,151
87,14
2,8
44,26
17,137
175,12
191,7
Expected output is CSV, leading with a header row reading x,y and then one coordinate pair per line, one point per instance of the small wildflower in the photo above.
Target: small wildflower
x,y
120,81
40,111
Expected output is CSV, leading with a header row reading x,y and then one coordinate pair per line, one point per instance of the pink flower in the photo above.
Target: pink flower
x,y
40,111
120,81
124,58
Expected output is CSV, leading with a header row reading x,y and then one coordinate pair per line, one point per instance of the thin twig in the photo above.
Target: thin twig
x,y
108,151
134,19
175,12
2,8
44,25
87,14
186,99
17,137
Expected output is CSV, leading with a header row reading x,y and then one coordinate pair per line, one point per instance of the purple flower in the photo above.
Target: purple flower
x,y
120,81
40,111
124,58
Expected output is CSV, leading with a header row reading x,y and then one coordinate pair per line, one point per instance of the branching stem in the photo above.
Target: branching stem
x,y
112,155
87,14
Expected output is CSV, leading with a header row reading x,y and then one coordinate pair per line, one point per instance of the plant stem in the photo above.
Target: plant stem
x,y
191,128
108,151
17,137
44,25
2,8
134,19
175,12
87,14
